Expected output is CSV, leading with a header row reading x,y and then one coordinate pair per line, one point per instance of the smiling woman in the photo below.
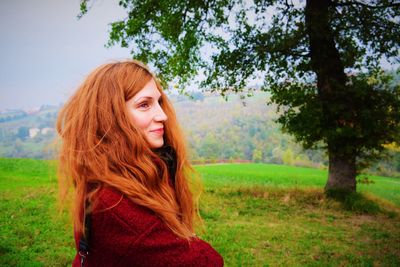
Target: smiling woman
x,y
146,113
124,154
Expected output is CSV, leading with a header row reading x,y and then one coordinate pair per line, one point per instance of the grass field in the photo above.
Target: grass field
x,y
254,215
280,176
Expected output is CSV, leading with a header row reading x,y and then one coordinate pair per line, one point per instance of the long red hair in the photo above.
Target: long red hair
x,y
101,147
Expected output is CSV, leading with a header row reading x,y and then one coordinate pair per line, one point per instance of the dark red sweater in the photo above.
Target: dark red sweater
x,y
130,235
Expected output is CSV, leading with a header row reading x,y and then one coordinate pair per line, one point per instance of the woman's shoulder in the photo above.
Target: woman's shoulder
x,y
116,223
113,207
125,234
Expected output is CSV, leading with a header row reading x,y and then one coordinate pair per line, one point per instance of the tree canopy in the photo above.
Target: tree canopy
x,y
320,59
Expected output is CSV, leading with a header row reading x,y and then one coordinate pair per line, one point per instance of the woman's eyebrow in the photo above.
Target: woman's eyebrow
x,y
142,97
147,97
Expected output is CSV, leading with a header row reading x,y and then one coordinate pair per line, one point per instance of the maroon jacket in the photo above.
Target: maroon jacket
x,y
126,234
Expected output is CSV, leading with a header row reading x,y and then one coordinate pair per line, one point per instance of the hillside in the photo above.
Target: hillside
x,y
28,134
216,130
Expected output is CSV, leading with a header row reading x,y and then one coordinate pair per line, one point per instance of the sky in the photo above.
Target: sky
x,y
46,52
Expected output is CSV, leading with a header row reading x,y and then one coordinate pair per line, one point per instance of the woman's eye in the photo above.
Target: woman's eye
x,y
144,105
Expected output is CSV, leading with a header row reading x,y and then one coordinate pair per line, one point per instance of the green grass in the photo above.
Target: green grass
x,y
280,176
254,215
32,230
296,228
26,173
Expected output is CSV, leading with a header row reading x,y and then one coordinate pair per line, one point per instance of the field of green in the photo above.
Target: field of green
x,y
254,215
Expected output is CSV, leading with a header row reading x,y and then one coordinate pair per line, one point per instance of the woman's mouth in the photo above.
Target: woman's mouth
x,y
158,131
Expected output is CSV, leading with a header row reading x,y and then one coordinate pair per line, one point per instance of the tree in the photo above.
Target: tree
x,y
23,132
287,157
320,59
257,155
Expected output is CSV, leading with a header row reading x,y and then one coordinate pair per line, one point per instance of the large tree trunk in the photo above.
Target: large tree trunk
x,y
342,173
331,83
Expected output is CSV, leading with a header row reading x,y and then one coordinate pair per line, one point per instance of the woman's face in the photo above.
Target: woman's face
x,y
146,113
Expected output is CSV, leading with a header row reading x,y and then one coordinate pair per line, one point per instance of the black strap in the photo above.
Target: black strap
x,y
84,240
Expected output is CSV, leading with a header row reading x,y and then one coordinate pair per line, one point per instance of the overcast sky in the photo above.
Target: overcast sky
x,y
46,52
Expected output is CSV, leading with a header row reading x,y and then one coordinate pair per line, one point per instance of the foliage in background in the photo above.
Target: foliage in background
x,y
18,127
216,131
315,58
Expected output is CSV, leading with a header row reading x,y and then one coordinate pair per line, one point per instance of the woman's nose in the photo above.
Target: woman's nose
x,y
160,114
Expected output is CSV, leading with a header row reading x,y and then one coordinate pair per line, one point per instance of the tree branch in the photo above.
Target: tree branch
x,y
353,3
204,21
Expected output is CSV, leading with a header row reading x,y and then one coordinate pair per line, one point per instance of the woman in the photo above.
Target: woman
x,y
124,154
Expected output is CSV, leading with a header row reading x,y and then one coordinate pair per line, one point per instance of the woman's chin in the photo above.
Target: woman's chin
x,y
156,143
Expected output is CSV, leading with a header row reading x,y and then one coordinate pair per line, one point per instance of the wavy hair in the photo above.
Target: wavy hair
x,y
101,147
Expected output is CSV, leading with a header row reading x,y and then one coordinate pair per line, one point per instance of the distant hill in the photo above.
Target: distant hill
x,y
27,134
216,131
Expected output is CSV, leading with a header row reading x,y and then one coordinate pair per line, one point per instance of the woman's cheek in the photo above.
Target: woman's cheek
x,y
142,120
